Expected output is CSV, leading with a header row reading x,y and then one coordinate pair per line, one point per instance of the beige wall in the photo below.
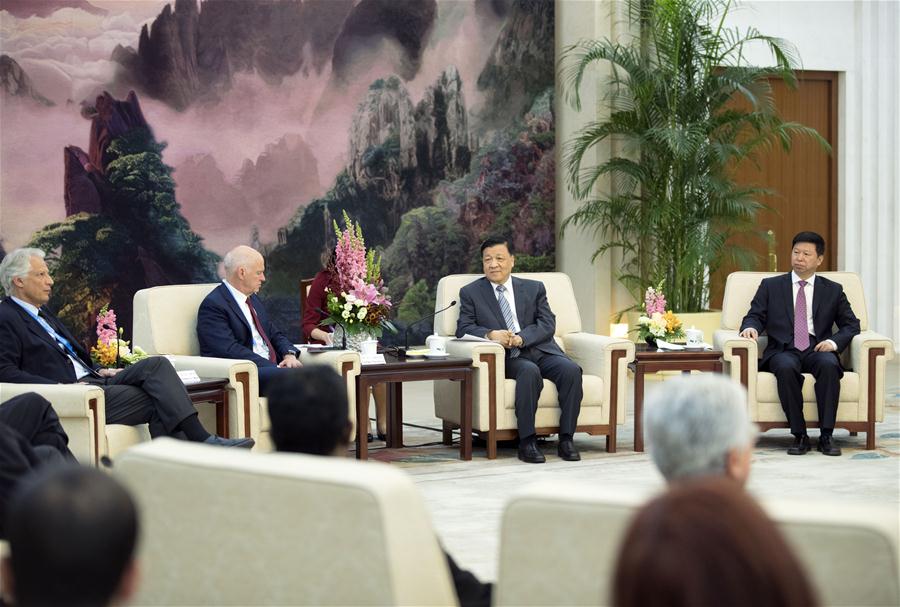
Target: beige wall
x,y
861,41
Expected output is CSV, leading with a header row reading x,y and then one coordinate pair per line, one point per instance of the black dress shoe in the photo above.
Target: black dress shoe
x,y
369,437
567,451
530,454
826,445
382,436
800,446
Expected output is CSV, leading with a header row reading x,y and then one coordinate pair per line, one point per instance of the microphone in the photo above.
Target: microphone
x,y
343,337
401,352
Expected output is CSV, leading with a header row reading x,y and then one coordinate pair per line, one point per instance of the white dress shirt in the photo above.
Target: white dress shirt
x,y
510,298
259,344
808,290
80,369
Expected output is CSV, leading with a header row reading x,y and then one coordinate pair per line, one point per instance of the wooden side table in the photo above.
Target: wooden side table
x,y
212,390
394,373
650,360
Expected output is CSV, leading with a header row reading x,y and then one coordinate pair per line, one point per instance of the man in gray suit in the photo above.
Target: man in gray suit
x,y
514,313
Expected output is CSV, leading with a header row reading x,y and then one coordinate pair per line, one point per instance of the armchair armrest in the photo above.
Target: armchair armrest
x,y
244,391
740,354
82,412
607,358
869,353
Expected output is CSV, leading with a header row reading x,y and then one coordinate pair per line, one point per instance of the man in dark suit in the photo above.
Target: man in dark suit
x,y
232,322
486,310
35,348
798,312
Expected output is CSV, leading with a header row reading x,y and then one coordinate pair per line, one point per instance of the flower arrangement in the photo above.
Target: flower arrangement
x,y
111,350
656,322
356,298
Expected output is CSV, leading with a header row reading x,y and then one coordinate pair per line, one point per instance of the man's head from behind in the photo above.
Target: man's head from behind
x,y
698,425
309,411
72,533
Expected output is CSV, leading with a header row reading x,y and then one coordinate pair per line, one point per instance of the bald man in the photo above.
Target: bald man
x,y
232,322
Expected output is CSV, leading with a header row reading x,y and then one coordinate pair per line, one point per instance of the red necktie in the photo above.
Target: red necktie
x,y
801,329
260,331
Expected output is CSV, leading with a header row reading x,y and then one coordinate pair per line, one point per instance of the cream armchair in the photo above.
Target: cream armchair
x,y
165,322
227,527
81,411
604,361
861,403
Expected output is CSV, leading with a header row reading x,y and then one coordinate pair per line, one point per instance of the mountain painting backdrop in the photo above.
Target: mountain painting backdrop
x,y
142,140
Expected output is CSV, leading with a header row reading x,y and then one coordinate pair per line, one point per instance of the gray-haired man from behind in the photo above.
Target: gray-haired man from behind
x,y
699,426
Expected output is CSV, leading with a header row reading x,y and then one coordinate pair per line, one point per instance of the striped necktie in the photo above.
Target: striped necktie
x,y
507,316
801,328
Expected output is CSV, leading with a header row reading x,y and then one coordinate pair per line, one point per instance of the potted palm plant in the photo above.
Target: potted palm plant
x,y
684,107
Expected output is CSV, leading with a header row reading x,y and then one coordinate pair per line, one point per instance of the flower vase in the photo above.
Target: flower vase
x,y
651,341
354,338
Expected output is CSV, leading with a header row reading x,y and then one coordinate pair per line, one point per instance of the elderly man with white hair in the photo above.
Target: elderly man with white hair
x,y
698,425
36,348
232,322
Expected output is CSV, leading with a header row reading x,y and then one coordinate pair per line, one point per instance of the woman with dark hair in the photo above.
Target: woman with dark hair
x,y
313,333
707,542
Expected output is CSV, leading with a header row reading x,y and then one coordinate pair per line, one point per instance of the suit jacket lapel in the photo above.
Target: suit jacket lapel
x,y
34,326
487,291
788,298
819,288
521,301
233,305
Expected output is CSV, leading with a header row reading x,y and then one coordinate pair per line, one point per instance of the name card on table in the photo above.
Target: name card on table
x,y
189,376
372,359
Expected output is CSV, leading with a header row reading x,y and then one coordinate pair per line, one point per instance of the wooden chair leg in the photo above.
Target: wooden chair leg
x,y
870,436
492,445
448,432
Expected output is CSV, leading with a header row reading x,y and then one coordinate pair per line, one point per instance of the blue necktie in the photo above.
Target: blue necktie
x,y
507,316
63,342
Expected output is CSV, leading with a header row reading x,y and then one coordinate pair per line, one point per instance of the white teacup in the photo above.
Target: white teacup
x,y
436,344
369,347
694,337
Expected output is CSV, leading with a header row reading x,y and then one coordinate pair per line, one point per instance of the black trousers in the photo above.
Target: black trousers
x,y
825,367
529,370
148,392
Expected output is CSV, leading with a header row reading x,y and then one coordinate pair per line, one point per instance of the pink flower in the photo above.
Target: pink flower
x,y
654,301
107,332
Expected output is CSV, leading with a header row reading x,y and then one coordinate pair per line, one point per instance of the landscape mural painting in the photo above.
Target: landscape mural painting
x,y
140,140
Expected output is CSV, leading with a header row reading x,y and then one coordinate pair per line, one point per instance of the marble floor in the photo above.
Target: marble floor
x,y
466,499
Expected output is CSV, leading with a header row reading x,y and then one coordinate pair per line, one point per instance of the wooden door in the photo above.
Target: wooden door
x,y
804,181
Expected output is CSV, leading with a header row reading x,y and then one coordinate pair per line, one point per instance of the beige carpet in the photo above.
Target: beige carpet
x,y
466,499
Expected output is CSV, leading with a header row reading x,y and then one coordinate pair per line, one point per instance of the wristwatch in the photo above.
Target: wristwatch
x,y
291,353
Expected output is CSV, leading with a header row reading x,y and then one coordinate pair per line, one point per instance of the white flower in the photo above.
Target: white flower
x,y
644,320
345,314
362,313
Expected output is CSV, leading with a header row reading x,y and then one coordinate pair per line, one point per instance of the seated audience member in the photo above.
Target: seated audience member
x,y
698,425
706,542
72,533
232,321
30,437
309,414
314,333
35,348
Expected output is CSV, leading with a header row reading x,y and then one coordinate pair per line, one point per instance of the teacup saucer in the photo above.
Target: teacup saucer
x,y
436,355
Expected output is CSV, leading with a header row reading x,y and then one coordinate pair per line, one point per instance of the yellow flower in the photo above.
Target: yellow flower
x,y
672,322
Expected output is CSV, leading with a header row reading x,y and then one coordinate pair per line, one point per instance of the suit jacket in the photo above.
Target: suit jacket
x,y
28,355
223,331
772,312
315,300
479,313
